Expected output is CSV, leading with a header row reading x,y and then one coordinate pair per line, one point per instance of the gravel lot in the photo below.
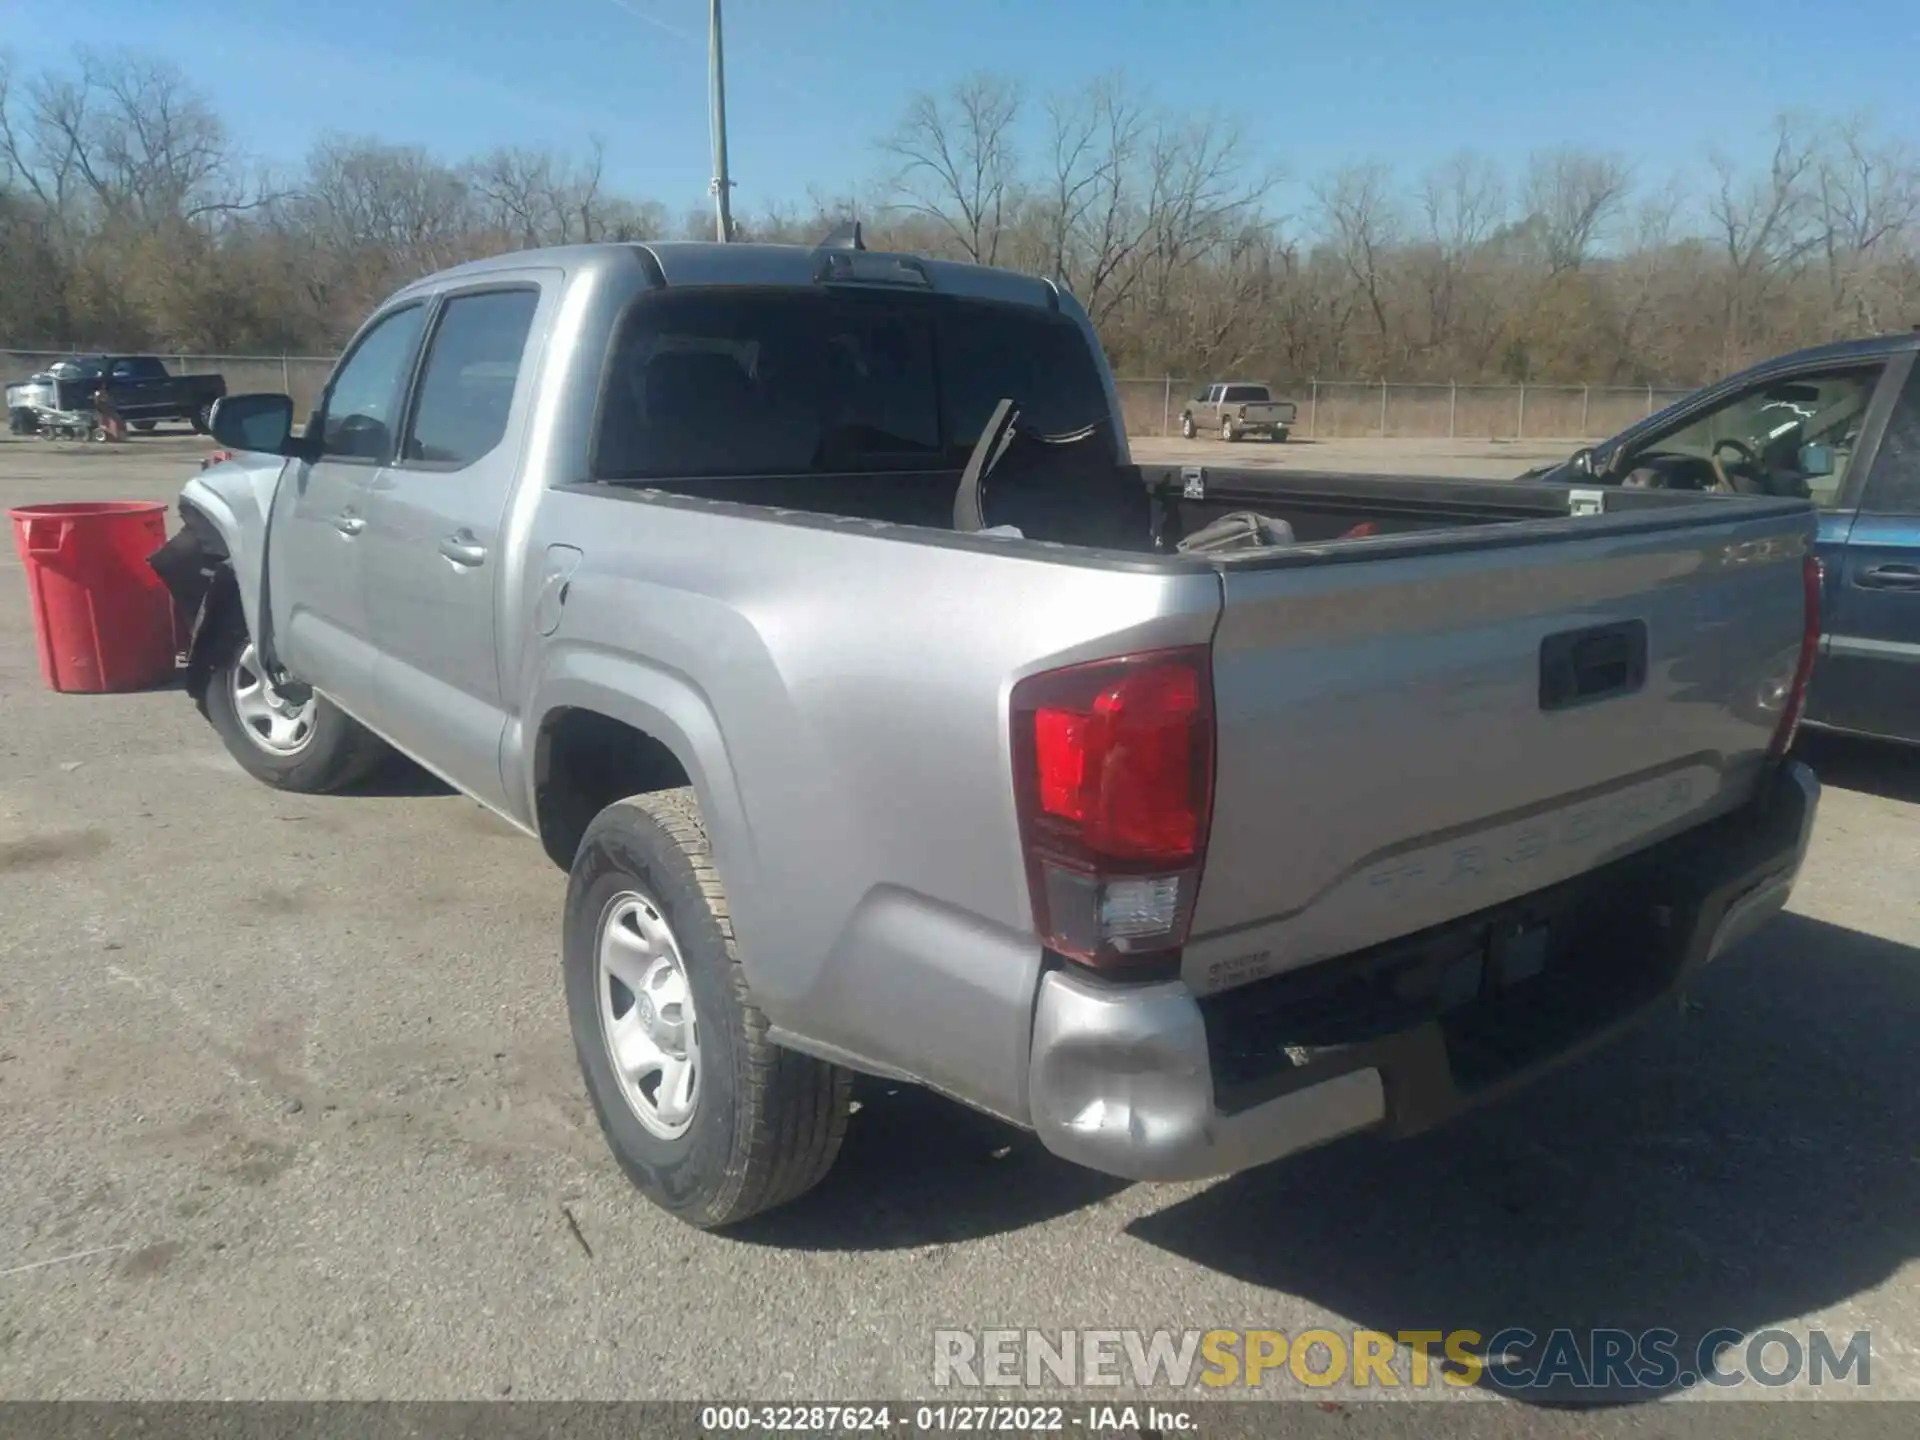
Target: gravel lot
x,y
288,1110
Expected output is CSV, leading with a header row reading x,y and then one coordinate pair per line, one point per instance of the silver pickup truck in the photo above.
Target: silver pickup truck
x,y
865,755
1235,410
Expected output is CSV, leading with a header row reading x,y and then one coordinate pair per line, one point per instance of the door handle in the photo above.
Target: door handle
x,y
1889,577
348,523
461,548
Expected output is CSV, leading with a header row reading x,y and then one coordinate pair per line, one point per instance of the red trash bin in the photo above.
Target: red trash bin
x,y
103,619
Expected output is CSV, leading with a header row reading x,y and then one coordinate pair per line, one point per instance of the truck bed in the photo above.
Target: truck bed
x,y
1389,755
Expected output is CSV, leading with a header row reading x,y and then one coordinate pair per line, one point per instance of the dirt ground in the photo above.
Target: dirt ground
x,y
288,1109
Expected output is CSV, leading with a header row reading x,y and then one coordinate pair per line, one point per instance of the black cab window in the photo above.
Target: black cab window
x,y
362,405
466,386
1040,360
770,383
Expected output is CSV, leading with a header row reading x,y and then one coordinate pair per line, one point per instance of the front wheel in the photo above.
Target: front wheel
x,y
1186,427
309,746
710,1120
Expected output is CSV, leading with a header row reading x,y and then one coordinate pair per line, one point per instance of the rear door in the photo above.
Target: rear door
x,y
436,566
1868,676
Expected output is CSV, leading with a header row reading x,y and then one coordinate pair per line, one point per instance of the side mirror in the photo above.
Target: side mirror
x,y
1581,461
254,422
1816,460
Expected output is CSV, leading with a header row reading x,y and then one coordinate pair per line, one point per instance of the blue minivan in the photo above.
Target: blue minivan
x,y
1839,424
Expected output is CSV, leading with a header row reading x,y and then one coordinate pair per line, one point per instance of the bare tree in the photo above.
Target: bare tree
x,y
1572,196
1761,225
1362,223
1462,201
1866,199
956,161
127,136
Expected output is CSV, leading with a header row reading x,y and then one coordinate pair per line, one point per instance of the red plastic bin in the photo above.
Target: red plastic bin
x,y
103,619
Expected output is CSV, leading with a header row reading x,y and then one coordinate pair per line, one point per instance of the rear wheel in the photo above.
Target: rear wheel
x,y
203,419
710,1120
1227,431
309,746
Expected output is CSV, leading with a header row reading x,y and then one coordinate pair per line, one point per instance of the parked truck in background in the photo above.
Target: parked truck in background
x,y
1184,860
1838,425
1236,409
137,388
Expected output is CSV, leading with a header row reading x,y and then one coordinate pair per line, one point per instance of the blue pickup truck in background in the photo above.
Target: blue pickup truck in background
x,y
1839,424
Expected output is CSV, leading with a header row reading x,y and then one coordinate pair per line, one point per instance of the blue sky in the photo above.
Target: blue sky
x,y
811,82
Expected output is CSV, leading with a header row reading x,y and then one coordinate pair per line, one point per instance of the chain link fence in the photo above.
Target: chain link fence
x,y
1344,409
1329,409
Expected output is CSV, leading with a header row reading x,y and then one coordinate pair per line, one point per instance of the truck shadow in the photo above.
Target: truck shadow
x,y
919,1169
1744,1162
1874,767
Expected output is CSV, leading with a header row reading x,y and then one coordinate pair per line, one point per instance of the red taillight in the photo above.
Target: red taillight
x,y
1113,778
1789,726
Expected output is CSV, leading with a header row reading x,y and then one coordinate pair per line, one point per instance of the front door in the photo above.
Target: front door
x,y
320,623
435,569
1868,677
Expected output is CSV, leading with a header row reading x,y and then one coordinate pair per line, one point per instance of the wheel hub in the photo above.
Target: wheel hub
x,y
271,721
647,1019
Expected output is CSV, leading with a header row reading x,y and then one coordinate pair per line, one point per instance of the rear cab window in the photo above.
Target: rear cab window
x,y
467,383
715,383
1245,394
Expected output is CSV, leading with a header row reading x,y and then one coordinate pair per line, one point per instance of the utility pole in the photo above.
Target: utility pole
x,y
717,61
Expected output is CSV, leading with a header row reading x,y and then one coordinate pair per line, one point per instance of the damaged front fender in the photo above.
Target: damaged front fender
x,y
212,565
195,568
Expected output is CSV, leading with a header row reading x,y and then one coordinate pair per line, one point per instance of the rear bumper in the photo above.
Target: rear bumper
x,y
1149,1083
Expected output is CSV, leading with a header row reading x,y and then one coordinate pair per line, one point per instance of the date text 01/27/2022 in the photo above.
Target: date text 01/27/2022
x,y
942,1419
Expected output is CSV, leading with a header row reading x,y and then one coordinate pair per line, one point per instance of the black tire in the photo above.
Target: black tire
x,y
1186,427
202,420
340,753
1280,436
767,1122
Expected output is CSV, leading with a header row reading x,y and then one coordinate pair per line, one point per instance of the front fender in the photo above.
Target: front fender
x,y
234,497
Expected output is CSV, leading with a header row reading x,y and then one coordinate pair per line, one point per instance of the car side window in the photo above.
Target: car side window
x,y
361,410
467,383
1789,436
1894,486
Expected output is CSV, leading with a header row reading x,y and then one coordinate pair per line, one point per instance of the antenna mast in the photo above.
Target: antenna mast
x,y
717,117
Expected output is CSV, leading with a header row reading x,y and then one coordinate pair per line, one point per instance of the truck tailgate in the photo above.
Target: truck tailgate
x,y
1429,729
